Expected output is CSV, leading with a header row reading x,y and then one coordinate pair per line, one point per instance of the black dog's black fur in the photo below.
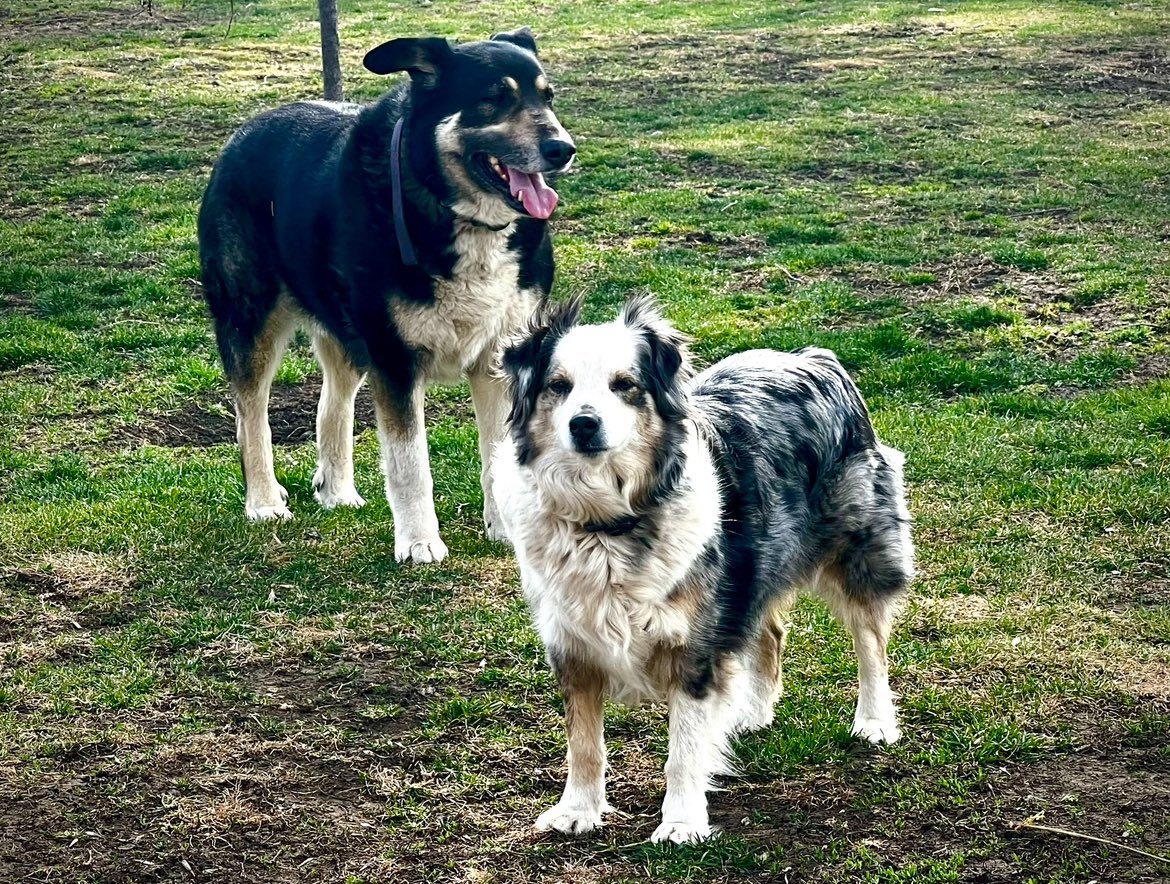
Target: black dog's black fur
x,y
301,224
300,200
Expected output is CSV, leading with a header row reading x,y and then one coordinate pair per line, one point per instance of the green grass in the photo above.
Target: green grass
x,y
966,205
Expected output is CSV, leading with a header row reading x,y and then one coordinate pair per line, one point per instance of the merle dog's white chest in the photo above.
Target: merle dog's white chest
x,y
481,303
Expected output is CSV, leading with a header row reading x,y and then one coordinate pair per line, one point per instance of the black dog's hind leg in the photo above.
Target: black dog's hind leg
x,y
253,324
264,497
333,481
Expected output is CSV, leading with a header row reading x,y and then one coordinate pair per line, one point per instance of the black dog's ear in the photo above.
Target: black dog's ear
x,y
665,361
522,37
525,363
422,57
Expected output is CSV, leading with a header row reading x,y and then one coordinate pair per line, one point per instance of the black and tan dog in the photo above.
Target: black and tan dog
x,y
410,235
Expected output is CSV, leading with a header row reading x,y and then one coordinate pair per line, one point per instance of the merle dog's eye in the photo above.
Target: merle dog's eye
x,y
549,94
561,387
622,385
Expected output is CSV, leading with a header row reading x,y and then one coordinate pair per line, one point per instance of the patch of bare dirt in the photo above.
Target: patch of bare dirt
x,y
364,696
226,805
1038,295
1120,795
708,167
121,15
1145,585
665,64
55,608
1136,72
733,248
303,779
15,303
292,414
858,170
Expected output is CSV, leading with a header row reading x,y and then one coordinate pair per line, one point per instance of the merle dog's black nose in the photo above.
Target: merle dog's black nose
x,y
557,152
583,428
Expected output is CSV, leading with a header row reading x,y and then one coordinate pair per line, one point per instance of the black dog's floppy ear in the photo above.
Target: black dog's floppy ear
x,y
666,364
522,37
422,57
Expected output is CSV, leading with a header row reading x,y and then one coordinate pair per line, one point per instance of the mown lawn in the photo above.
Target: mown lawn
x,y
972,206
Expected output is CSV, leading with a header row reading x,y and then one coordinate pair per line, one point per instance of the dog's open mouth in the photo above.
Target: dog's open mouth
x,y
527,191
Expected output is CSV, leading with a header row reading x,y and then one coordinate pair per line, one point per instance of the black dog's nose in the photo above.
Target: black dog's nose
x,y
557,152
583,427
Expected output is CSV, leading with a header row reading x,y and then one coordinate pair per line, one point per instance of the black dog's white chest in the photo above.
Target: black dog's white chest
x,y
475,307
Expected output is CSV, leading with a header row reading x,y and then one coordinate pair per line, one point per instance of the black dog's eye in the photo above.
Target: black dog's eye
x,y
560,387
623,385
497,100
549,95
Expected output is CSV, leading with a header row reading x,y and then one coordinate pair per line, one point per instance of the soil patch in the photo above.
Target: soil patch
x,y
707,167
1040,295
734,248
222,806
292,414
1147,585
127,15
364,696
71,593
1118,795
1137,72
297,784
665,63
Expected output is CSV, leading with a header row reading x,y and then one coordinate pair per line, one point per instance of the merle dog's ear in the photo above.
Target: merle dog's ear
x,y
525,363
665,361
422,57
522,37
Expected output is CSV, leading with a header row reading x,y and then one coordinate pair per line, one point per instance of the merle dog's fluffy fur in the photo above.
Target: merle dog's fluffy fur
x,y
663,524
297,227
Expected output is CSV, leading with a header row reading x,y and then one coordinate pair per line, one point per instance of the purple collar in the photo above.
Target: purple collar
x,y
405,247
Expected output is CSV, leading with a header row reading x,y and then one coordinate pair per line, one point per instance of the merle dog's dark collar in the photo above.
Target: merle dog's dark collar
x,y
405,246
616,528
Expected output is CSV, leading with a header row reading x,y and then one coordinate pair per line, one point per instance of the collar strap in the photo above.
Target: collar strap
x,y
492,227
616,528
405,247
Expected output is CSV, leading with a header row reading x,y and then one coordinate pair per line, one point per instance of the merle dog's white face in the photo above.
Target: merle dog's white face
x,y
601,396
595,392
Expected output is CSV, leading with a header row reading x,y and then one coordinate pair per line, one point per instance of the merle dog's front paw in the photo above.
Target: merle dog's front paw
x,y
682,832
426,551
877,730
570,819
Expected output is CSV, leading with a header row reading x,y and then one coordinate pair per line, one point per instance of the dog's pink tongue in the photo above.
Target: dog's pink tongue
x,y
539,199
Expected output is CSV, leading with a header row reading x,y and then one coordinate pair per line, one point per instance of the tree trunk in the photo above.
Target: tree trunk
x,y
330,50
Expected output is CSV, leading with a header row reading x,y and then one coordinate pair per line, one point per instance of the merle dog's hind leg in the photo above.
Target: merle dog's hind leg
x,y
869,622
333,483
489,395
866,579
407,469
767,667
